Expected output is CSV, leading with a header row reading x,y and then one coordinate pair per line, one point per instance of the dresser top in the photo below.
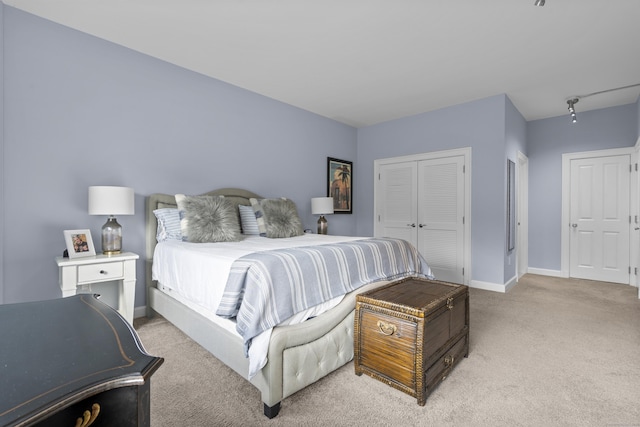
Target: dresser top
x,y
55,353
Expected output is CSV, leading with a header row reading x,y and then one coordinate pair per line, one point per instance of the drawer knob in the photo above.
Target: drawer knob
x,y
448,361
386,328
103,272
449,303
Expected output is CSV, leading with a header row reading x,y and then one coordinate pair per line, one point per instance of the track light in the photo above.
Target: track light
x,y
572,110
539,3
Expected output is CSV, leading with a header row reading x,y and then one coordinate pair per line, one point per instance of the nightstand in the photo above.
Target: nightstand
x,y
78,272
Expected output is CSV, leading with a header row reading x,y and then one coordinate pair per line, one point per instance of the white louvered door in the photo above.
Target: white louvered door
x,y
397,201
441,216
423,202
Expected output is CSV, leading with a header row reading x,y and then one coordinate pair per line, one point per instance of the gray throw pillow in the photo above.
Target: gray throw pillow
x,y
211,219
280,218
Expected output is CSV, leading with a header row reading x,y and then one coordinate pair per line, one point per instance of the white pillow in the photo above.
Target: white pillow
x,y
248,221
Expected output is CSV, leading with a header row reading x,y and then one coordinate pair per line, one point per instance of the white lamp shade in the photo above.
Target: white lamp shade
x,y
322,205
105,200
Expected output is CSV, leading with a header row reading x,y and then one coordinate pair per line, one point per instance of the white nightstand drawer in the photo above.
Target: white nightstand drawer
x,y
99,272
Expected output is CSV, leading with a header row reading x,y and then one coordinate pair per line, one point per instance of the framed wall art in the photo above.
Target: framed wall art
x,y
79,243
340,184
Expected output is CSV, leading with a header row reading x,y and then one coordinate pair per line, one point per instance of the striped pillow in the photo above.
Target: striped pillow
x,y
248,220
168,224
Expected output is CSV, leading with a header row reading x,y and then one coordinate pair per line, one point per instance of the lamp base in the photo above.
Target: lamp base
x,y
322,225
111,237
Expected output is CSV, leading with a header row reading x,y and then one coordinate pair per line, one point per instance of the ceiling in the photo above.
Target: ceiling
x,y
363,62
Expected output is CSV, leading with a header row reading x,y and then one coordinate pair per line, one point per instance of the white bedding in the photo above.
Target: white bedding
x,y
196,275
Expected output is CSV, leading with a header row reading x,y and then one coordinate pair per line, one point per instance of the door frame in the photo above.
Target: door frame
x,y
522,209
635,236
565,231
466,152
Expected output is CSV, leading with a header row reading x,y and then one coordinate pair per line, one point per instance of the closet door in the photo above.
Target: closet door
x,y
397,201
441,196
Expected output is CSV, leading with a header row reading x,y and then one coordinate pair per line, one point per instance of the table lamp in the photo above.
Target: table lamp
x,y
322,206
106,200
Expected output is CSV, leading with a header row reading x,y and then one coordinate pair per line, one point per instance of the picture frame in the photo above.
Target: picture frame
x,y
340,185
79,243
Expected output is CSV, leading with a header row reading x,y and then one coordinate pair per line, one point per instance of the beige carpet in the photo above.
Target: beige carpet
x,y
551,352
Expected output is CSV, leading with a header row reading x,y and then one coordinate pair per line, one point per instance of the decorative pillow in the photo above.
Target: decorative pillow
x,y
248,221
277,218
168,224
211,219
184,222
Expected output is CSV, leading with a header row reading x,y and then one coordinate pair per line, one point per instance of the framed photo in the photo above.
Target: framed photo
x,y
340,184
79,243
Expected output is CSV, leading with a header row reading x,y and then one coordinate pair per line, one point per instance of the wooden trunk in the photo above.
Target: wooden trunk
x,y
410,333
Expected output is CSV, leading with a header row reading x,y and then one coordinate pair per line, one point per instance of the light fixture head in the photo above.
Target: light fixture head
x,y
572,110
539,3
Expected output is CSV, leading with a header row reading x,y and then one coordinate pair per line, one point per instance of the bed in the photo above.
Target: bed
x,y
296,355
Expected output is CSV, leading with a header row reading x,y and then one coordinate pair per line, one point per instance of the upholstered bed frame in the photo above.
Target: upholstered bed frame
x,y
298,355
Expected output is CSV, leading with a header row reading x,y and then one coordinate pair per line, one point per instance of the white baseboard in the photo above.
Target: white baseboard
x,y
511,283
545,272
488,286
140,311
495,287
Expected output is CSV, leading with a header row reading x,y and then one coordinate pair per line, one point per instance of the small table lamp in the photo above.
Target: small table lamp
x,y
322,206
104,200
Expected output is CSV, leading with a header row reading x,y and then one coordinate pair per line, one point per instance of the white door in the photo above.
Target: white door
x,y
441,216
599,218
397,201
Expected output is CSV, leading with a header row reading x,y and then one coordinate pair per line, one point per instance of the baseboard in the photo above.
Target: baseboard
x,y
140,311
488,286
511,283
545,272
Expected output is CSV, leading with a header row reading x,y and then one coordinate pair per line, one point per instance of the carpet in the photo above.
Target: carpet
x,y
550,352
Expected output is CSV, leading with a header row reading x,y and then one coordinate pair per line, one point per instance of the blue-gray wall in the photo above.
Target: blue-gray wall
x,y
479,125
547,140
80,111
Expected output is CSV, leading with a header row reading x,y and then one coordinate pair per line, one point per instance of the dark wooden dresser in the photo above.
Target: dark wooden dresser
x,y
72,362
410,334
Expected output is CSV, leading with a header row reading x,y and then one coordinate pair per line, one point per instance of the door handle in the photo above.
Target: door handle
x,y
412,225
574,225
422,225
